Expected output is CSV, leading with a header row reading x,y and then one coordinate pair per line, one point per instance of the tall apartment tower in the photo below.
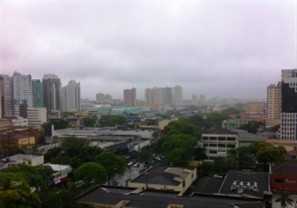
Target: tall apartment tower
x,y
22,93
70,97
6,83
37,93
51,92
273,104
130,97
289,105
1,104
102,98
177,95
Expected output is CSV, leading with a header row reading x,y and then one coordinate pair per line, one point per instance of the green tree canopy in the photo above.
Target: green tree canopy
x,y
113,163
183,126
91,171
15,192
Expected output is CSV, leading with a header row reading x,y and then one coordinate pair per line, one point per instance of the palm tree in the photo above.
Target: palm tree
x,y
284,199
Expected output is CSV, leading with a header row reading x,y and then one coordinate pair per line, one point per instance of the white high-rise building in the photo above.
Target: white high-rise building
x,y
70,97
22,92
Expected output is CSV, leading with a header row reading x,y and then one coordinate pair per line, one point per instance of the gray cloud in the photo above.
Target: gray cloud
x,y
227,49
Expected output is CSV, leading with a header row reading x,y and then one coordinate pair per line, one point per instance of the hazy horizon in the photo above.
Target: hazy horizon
x,y
216,48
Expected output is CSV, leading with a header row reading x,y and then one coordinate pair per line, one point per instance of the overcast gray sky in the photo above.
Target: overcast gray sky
x,y
217,48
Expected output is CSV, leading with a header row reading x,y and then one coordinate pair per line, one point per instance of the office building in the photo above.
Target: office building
x,y
102,98
51,92
37,93
6,84
288,128
177,95
22,93
36,117
70,97
273,104
130,97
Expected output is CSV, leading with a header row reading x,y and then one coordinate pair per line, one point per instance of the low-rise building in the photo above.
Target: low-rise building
x,y
61,172
159,177
217,142
32,160
36,117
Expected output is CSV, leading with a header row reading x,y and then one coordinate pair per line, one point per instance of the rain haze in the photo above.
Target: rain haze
x,y
216,48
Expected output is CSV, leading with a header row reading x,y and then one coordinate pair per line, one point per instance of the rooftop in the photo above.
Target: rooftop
x,y
221,131
245,183
113,196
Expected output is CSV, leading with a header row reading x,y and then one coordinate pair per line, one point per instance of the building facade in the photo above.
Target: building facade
x,y
273,104
102,98
130,97
70,97
288,127
22,93
217,142
51,92
37,93
36,117
7,99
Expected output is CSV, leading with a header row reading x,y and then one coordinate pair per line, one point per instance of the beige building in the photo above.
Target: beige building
x,y
217,142
32,160
175,179
130,97
254,107
36,117
273,104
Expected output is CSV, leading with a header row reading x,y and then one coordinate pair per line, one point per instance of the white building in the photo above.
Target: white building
x,y
70,97
32,160
36,117
22,92
19,122
217,142
177,95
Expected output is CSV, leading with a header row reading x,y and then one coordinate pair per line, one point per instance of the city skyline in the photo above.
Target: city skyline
x,y
230,49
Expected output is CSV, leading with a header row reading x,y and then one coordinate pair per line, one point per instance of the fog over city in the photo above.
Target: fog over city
x,y
216,48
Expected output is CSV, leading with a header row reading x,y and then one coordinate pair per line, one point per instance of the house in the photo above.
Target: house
x,y
175,179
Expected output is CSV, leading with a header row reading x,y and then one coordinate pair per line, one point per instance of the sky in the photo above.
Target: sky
x,y
217,48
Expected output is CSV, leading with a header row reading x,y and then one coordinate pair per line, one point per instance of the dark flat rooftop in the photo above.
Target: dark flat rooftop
x,y
208,185
156,175
245,182
103,195
220,131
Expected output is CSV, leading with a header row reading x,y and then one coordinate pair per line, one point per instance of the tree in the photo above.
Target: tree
x,y
73,145
215,119
144,155
113,163
89,121
284,199
178,148
91,171
15,192
183,126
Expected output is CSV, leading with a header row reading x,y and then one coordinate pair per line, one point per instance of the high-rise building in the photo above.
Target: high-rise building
x,y
273,104
130,97
1,104
22,93
51,92
6,83
37,93
177,95
288,128
102,98
70,97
